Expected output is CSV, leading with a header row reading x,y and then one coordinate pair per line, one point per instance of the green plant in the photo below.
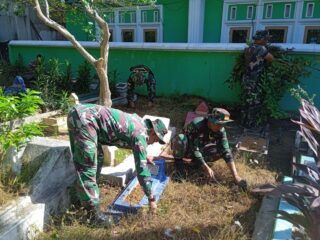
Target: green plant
x,y
84,78
299,93
14,107
113,77
278,77
52,83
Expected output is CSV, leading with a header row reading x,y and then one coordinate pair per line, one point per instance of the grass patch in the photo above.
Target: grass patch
x,y
120,155
193,206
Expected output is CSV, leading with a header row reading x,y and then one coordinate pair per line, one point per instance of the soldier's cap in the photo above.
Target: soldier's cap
x,y
159,128
219,116
262,34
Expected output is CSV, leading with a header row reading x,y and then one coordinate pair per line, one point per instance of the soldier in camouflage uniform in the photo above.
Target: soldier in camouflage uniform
x,y
255,57
205,139
91,126
140,75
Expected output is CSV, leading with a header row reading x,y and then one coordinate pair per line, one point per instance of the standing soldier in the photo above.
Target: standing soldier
x,y
255,57
91,126
205,139
140,75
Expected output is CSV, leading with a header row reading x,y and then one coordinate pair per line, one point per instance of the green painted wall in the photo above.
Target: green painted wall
x,y
177,72
81,26
241,11
212,21
278,10
175,20
316,10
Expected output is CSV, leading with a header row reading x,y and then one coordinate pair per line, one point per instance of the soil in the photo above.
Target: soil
x,y
135,196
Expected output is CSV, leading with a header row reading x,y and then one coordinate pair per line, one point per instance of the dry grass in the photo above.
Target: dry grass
x,y
193,207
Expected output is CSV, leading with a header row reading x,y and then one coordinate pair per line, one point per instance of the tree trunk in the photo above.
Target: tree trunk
x,y
105,94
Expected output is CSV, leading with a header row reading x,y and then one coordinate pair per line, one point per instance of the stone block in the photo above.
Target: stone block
x,y
109,155
22,219
120,174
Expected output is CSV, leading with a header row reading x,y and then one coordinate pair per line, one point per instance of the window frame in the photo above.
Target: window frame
x,y
156,16
133,17
233,9
128,29
144,17
122,17
232,29
307,8
306,29
250,7
150,29
271,11
285,28
285,8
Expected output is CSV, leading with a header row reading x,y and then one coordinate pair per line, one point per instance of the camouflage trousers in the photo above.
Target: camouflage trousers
x,y
88,160
181,148
151,88
251,102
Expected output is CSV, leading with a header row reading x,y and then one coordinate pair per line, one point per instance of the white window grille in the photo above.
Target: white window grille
x,y
287,11
269,11
233,13
310,8
156,16
144,16
250,12
122,18
133,17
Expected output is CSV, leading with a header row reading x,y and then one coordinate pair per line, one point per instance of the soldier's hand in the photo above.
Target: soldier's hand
x,y
150,160
152,207
209,172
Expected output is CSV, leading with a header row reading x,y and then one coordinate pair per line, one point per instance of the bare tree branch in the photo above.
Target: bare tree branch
x,y
104,46
63,31
47,9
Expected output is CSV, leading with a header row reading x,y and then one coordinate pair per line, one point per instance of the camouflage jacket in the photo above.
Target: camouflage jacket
x,y
254,57
199,136
117,128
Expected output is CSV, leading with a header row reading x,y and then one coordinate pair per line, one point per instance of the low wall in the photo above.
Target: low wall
x,y
179,68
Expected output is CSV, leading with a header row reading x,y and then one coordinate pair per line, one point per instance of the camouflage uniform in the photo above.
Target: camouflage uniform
x,y
200,143
92,125
139,78
252,97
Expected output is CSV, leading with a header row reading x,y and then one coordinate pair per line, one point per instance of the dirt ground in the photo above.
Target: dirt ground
x,y
191,207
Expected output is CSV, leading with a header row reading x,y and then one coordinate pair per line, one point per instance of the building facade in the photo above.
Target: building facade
x,y
211,21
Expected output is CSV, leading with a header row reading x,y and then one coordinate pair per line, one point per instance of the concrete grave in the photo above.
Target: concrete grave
x,y
48,194
122,173
21,220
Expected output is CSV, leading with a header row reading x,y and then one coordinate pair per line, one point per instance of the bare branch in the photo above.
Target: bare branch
x,y
49,22
104,46
47,9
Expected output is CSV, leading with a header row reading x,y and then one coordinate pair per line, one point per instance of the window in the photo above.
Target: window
x,y
156,16
310,8
144,16
110,18
150,35
250,12
127,35
122,18
239,35
233,13
279,34
287,11
132,17
312,35
269,11
111,35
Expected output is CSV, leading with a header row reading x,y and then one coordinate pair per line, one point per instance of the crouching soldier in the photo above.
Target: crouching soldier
x,y
140,75
91,126
205,139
